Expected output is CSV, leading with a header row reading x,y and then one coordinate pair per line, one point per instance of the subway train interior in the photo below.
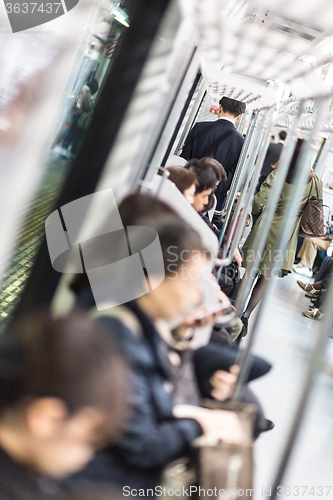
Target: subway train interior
x,y
213,283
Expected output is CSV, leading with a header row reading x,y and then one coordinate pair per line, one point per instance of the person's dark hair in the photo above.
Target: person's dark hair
x,y
93,86
132,209
182,178
292,167
219,171
232,106
70,358
137,205
283,135
273,137
205,175
210,203
177,239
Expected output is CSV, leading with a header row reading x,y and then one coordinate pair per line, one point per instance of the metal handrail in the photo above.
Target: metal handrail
x,y
268,215
239,174
286,228
244,185
246,198
310,380
244,356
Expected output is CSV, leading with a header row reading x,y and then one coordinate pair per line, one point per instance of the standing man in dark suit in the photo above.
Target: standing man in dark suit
x,y
272,157
219,140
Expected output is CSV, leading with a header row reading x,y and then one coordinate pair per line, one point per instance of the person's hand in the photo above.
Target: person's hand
x,y
238,258
205,319
224,424
224,383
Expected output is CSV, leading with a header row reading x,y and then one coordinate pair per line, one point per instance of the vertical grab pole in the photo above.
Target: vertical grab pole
x,y
244,356
310,380
250,187
292,209
251,270
164,177
247,196
238,173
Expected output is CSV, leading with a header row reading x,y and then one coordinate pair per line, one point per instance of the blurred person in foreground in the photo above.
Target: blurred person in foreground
x,y
63,394
270,254
160,430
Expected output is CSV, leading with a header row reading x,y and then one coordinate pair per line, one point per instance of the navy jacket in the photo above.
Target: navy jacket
x,y
153,437
221,141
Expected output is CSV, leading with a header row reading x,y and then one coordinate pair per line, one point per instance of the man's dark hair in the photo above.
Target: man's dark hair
x,y
204,173
273,137
235,108
283,135
71,358
219,171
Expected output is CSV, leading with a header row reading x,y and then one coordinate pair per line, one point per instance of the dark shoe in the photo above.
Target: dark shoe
x,y
314,314
245,321
267,426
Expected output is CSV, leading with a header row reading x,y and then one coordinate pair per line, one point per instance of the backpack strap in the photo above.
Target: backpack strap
x,y
125,316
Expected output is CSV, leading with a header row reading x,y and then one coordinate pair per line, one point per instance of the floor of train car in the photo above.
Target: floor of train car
x,y
286,338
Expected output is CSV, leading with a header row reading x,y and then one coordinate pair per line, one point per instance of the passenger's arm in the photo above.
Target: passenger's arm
x,y
152,440
224,423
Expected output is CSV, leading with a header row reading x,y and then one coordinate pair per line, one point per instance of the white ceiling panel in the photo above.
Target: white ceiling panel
x,y
284,41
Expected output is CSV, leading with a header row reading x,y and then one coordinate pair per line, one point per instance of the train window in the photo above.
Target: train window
x,y
82,79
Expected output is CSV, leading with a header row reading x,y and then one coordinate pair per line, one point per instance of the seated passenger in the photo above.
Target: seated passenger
x,y
206,181
158,432
308,253
310,288
185,181
62,394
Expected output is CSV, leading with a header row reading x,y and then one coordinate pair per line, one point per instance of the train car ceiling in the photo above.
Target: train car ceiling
x,y
252,48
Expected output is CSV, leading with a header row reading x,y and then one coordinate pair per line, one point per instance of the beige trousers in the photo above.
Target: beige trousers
x,y
309,250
